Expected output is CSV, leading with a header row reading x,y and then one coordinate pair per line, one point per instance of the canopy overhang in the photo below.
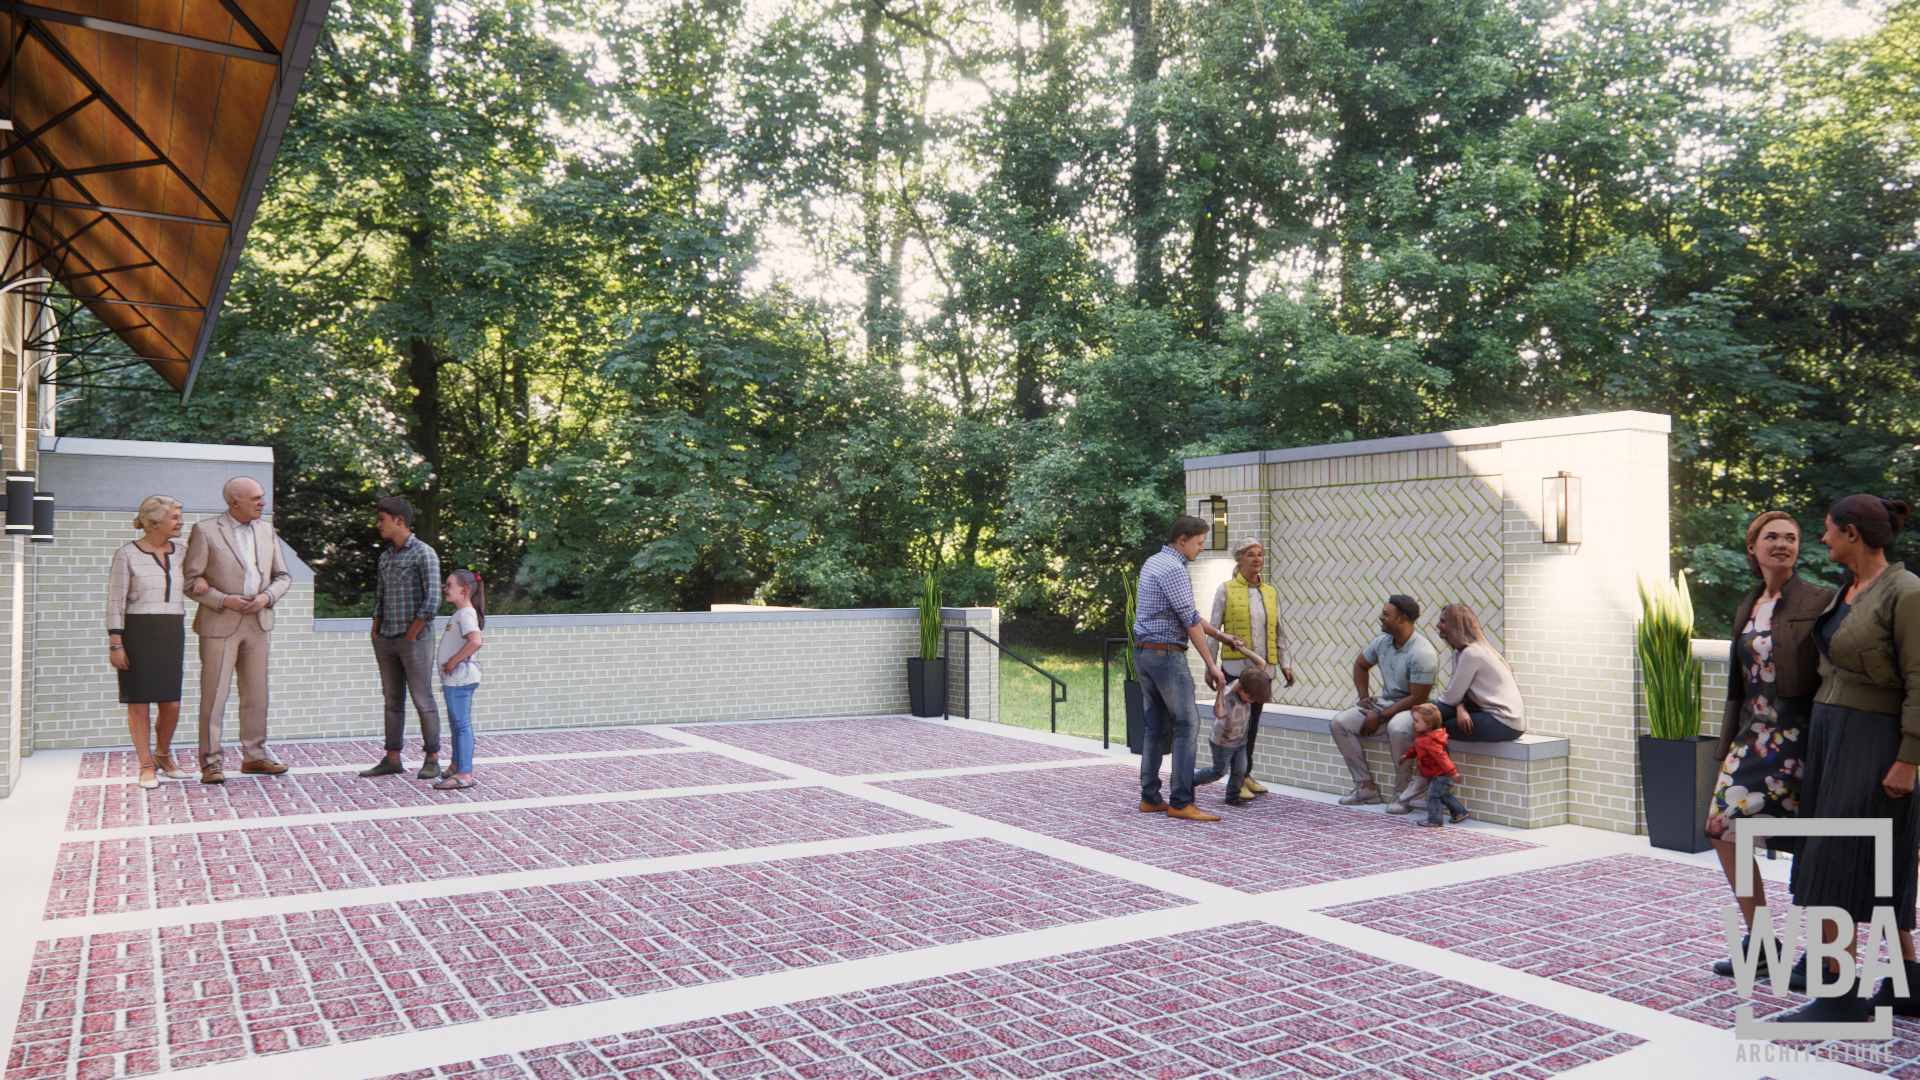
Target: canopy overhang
x,y
143,134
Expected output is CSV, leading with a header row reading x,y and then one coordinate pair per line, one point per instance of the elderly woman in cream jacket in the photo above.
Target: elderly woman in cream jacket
x,y
146,634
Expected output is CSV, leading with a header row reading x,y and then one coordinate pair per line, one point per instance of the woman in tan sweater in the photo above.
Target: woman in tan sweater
x,y
1863,744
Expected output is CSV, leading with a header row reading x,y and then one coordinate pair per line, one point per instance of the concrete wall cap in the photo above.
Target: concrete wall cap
x,y
359,623
134,448
1486,436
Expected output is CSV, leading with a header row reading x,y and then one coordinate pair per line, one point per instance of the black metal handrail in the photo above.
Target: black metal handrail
x,y
1057,693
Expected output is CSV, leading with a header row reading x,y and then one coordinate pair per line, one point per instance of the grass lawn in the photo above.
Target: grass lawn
x,y
1024,695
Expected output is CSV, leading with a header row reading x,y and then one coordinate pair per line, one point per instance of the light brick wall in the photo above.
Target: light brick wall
x,y
541,672
1456,518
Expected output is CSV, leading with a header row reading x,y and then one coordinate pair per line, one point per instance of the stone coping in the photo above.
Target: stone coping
x,y
137,448
1439,440
358,624
1528,747
1713,650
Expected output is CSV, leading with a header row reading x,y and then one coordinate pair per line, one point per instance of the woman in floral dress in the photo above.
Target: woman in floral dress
x,y
1770,689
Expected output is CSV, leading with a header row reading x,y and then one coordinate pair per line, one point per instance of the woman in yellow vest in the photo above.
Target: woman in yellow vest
x,y
1253,606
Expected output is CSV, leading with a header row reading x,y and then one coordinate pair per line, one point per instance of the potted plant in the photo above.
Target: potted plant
x,y
1136,705
927,673
1678,766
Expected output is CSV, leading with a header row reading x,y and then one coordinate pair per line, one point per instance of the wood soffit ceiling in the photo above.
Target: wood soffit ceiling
x,y
143,135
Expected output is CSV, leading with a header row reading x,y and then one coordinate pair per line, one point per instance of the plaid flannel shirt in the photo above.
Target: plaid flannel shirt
x,y
1165,605
408,587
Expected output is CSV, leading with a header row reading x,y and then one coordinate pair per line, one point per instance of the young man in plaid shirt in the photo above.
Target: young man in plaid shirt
x,y
406,597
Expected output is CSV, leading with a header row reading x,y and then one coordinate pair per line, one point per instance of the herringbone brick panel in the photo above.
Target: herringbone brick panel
x,y
1340,551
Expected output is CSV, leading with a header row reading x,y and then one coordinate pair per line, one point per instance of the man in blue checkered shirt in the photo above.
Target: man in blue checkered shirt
x,y
1166,621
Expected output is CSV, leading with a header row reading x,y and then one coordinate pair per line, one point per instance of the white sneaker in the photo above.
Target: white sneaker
x,y
1399,808
1361,797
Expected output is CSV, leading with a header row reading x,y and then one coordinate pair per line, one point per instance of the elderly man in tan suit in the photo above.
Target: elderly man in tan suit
x,y
235,572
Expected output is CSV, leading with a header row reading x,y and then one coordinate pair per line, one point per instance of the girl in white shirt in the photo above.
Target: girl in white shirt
x,y
459,675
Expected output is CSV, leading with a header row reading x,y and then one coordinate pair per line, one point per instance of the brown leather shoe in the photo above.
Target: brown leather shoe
x,y
1191,812
1153,808
212,775
265,768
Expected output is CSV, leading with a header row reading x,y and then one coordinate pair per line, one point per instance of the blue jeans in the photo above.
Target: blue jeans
x,y
1440,793
1227,761
460,718
1233,761
1166,690
1485,729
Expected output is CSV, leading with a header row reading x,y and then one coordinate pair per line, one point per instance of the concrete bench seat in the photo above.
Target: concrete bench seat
x,y
1520,782
1528,747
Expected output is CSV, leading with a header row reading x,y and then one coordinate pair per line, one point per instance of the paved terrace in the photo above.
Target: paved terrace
x,y
850,897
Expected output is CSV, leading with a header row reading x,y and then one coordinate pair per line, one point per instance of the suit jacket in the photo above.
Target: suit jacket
x,y
1796,662
212,555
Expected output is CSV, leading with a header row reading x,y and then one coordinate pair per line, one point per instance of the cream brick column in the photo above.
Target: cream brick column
x,y
1239,479
1571,610
980,689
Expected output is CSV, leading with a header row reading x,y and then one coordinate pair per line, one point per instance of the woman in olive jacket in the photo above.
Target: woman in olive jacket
x,y
1770,686
1864,741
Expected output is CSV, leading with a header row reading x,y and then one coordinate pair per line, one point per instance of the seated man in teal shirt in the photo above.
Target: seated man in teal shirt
x,y
1408,666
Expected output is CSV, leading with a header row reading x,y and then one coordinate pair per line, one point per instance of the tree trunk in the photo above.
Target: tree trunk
x,y
1149,174
876,319
421,368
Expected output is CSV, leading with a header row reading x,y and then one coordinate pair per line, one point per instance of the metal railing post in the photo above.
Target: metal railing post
x,y
1056,692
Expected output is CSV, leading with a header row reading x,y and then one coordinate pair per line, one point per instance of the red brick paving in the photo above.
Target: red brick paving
x,y
285,982
881,745
100,877
1245,1001
1277,842
1635,929
98,764
110,806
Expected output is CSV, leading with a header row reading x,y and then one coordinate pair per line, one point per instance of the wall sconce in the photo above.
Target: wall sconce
x,y
1217,506
1561,506
19,503
42,518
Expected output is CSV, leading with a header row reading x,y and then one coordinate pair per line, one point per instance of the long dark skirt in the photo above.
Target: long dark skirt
x,y
1848,752
156,652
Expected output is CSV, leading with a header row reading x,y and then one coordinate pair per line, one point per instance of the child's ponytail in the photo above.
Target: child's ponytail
x,y
476,592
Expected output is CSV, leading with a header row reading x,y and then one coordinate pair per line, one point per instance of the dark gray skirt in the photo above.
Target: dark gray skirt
x,y
156,651
1848,752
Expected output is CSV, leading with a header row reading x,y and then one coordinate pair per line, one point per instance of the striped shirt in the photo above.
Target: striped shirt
x,y
407,588
1164,608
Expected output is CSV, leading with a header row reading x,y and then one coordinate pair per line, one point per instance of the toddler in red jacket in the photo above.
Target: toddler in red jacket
x,y
1430,748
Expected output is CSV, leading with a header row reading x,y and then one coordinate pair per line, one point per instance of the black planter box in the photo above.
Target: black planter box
x,y
1136,716
927,686
1676,787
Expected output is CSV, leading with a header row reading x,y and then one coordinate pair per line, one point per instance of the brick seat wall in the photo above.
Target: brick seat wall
x,y
1521,783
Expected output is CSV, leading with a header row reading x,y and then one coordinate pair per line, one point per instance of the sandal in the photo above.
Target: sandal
x,y
148,782
453,783
170,768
